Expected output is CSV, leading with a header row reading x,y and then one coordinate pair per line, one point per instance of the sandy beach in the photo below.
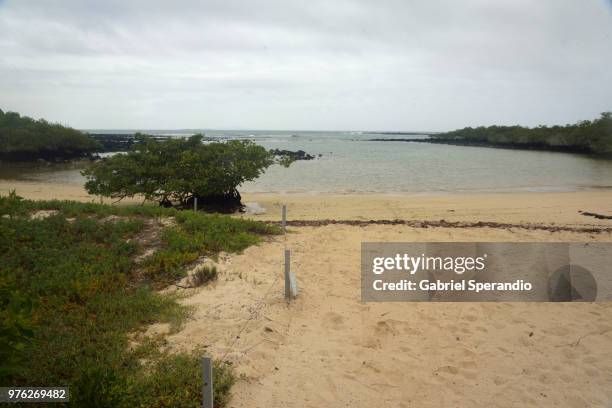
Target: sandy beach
x,y
558,208
328,348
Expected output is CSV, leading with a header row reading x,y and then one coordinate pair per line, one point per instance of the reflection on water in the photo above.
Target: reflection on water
x,y
350,163
45,172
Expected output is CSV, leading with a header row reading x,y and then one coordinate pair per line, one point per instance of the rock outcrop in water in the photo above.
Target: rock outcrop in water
x,y
293,155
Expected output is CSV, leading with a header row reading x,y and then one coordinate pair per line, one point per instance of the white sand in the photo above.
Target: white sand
x,y
328,349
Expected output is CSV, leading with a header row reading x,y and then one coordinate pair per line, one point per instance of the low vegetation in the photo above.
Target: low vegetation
x,y
203,275
196,235
23,138
72,298
593,137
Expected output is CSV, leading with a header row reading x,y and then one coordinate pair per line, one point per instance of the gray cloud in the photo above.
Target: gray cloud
x,y
306,65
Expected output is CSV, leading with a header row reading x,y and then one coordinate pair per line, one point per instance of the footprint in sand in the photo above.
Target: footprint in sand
x,y
411,331
545,379
371,342
333,320
589,360
467,353
469,364
500,380
385,327
448,370
499,324
557,331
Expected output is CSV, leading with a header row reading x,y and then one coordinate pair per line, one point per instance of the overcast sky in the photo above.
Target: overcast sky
x,y
316,64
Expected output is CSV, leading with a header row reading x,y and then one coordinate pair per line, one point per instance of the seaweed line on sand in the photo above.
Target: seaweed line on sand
x,y
446,224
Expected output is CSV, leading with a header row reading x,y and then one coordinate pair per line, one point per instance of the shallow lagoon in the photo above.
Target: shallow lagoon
x,y
350,163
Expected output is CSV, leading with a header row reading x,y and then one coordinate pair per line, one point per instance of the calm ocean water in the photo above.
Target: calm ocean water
x,y
350,163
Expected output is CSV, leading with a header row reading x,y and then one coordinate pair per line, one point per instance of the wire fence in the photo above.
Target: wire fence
x,y
257,306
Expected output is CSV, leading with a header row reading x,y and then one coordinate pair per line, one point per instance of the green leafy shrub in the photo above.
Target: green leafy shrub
x,y
180,170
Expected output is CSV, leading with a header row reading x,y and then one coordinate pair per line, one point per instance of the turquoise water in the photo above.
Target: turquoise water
x,y
349,163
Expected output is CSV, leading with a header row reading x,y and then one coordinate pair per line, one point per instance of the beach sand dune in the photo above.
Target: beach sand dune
x,y
328,349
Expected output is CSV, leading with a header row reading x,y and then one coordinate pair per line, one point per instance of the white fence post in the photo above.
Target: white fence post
x,y
287,272
207,389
